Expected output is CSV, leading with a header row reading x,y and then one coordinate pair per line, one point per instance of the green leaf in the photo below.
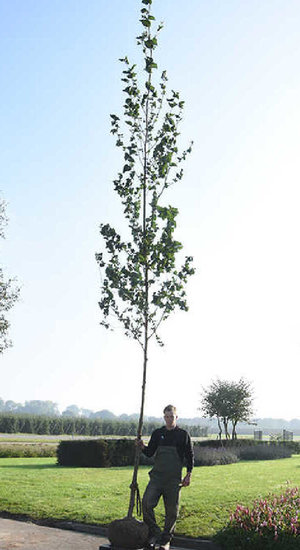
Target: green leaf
x,y
151,43
145,22
153,246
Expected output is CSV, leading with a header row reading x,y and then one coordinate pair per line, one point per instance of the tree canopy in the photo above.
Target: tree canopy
x,y
228,402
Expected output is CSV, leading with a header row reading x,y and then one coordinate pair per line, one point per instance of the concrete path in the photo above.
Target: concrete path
x,y
23,535
20,535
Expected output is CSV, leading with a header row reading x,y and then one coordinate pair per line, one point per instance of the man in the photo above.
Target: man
x,y
170,445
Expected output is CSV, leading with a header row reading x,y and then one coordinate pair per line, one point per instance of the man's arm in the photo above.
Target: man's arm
x,y
189,455
150,449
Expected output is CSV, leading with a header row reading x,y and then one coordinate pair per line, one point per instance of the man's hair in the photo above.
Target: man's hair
x,y
170,408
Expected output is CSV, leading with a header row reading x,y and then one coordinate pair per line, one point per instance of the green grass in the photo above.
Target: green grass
x,y
40,489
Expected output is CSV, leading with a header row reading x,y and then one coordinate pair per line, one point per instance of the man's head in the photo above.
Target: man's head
x,y
170,417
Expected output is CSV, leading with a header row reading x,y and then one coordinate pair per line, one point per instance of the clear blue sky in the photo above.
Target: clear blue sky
x,y
236,64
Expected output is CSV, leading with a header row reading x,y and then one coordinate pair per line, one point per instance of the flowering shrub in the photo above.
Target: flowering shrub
x,y
272,523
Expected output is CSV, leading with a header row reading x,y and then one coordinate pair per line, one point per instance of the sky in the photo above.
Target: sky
x,y
236,65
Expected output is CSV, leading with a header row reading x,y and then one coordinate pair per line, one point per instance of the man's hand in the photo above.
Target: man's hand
x,y
186,480
139,443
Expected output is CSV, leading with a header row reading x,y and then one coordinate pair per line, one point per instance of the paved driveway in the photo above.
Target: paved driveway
x,y
21,535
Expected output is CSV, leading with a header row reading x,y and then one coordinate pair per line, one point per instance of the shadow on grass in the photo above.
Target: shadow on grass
x,y
30,466
65,467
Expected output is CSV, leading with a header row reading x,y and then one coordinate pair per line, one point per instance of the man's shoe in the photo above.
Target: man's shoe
x,y
151,544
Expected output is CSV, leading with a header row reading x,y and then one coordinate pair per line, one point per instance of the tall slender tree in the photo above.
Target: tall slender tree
x,y
142,283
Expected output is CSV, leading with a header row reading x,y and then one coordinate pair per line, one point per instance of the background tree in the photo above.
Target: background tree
x,y
215,404
11,406
71,411
9,293
241,401
48,408
142,283
228,401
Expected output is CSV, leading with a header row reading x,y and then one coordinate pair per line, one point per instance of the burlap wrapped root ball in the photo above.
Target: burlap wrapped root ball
x,y
128,533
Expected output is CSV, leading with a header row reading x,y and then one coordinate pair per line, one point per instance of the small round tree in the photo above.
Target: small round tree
x,y
228,402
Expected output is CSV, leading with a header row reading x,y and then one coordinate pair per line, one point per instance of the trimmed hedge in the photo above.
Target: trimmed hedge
x,y
264,452
103,453
98,453
209,456
293,446
27,450
91,453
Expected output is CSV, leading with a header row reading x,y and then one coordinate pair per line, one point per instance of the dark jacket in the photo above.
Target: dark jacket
x,y
175,438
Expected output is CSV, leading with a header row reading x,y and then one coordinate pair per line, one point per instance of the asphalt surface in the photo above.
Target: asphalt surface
x,y
20,535
23,535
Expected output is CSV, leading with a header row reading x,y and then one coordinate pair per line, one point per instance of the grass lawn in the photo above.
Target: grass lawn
x,y
40,489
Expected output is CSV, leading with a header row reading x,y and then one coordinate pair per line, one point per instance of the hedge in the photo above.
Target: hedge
x,y
27,450
293,446
120,452
209,456
91,453
59,425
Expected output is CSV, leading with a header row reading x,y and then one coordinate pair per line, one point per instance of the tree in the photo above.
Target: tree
x,y
214,404
241,403
12,407
142,283
71,411
47,408
86,413
9,293
104,414
228,401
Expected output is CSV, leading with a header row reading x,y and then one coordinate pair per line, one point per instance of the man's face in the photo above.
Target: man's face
x,y
170,419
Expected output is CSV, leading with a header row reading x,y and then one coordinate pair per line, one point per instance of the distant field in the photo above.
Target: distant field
x,y
36,438
41,489
23,438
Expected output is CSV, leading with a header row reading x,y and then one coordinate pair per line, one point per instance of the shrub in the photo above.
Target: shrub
x,y
210,456
90,453
264,452
238,444
121,452
27,450
294,446
272,523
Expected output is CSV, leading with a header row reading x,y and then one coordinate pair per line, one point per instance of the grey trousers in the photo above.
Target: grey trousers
x,y
170,491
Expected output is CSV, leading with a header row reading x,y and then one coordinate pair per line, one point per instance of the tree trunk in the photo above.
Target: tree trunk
x,y
134,490
234,436
225,422
220,428
134,484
